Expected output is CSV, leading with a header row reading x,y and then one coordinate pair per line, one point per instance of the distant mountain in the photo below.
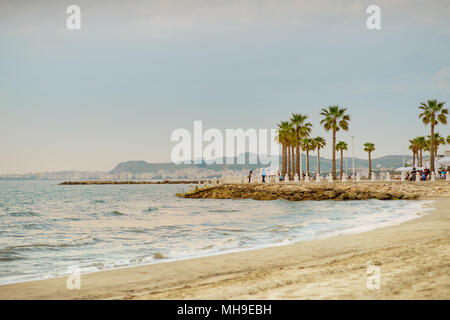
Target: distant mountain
x,y
142,170
140,167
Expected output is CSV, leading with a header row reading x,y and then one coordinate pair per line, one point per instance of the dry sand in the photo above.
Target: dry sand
x,y
414,260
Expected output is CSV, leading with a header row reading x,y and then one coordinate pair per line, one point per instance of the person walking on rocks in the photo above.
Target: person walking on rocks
x,y
263,176
250,176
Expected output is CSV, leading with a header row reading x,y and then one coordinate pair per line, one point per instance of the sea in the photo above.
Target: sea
x,y
48,230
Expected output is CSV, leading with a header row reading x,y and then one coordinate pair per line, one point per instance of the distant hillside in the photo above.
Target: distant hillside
x,y
139,167
144,170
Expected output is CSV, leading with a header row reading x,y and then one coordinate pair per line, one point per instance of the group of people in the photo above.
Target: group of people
x,y
280,176
424,174
263,175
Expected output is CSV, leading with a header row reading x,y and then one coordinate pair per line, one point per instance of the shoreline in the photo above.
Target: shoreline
x,y
422,211
197,278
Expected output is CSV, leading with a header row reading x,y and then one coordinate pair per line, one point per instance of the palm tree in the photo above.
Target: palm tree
x,y
433,113
369,147
341,146
307,145
302,130
288,146
334,118
414,149
448,139
282,138
438,140
293,144
421,143
319,143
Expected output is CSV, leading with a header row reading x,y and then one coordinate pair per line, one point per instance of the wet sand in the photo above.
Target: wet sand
x,y
414,261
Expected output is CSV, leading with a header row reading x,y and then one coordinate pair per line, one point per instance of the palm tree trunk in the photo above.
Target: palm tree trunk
x,y
414,158
293,162
283,171
432,149
289,159
342,163
420,162
286,159
307,161
301,164
370,167
318,161
297,153
333,165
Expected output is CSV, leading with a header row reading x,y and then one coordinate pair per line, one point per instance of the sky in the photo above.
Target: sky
x,y
136,71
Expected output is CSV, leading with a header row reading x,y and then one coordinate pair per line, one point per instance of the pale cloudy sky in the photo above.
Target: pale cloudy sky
x,y
116,89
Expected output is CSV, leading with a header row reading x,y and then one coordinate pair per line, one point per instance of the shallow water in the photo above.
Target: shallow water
x,y
45,228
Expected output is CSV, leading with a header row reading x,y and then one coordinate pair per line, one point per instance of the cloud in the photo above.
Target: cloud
x,y
175,18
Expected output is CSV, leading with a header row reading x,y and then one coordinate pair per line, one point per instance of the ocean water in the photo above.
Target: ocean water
x,y
46,229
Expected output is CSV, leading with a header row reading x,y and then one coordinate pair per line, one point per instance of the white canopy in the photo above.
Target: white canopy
x,y
406,169
445,161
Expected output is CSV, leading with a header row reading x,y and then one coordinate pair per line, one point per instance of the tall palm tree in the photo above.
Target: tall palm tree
x,y
334,118
282,138
319,143
341,146
414,149
293,144
288,146
438,140
369,147
433,113
307,145
302,130
421,143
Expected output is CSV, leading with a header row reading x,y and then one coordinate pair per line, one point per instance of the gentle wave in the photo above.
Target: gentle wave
x,y
72,243
24,214
114,213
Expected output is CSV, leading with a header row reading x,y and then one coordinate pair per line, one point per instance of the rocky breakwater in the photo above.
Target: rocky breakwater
x,y
322,191
99,182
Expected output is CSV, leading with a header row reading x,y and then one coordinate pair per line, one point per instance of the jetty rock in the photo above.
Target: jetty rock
x,y
323,191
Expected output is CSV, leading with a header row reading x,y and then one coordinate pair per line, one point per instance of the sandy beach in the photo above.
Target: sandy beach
x,y
413,258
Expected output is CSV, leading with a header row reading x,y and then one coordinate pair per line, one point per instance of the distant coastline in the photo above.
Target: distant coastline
x,y
142,170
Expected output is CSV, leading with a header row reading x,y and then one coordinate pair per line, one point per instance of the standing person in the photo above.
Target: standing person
x,y
250,176
264,176
413,174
